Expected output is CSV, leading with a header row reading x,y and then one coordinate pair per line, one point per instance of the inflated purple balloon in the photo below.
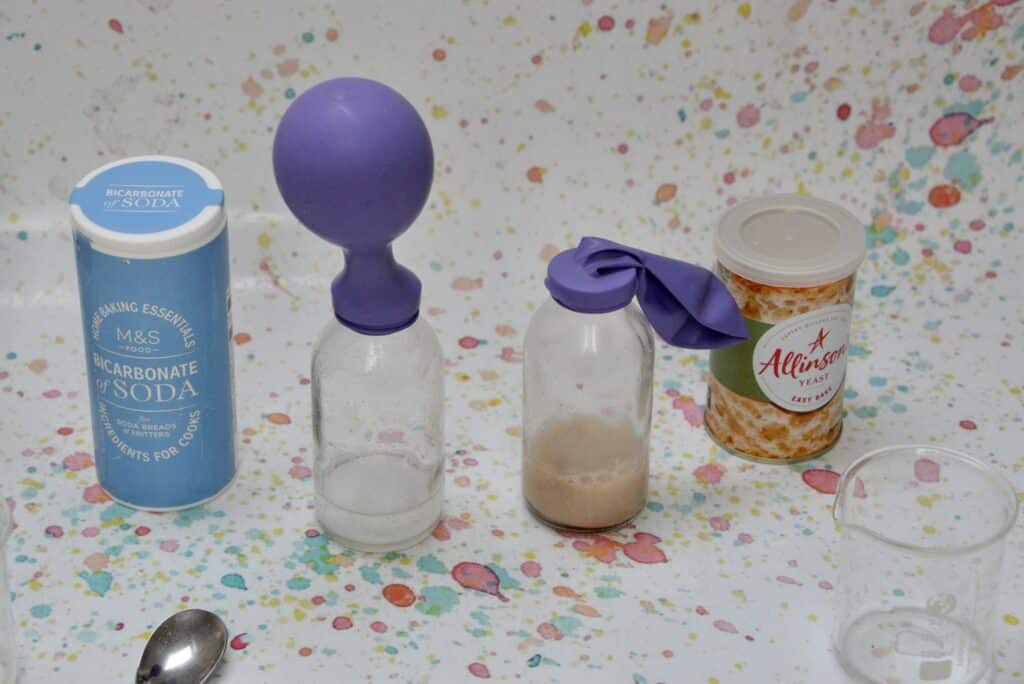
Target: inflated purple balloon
x,y
354,163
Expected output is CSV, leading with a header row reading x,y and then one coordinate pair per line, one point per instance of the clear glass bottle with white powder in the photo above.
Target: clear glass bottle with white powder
x,y
354,162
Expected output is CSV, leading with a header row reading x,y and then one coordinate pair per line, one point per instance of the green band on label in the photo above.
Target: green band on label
x,y
734,366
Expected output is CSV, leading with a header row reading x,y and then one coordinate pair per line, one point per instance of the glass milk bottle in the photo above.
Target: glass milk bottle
x,y
588,376
354,163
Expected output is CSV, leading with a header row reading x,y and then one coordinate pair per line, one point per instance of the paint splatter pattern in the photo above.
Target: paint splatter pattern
x,y
640,121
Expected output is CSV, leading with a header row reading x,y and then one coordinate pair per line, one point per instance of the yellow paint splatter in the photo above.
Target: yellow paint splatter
x,y
438,112
13,217
1011,619
744,10
263,240
928,529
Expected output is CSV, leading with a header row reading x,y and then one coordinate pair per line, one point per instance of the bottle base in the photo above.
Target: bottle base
x,y
560,527
379,533
171,509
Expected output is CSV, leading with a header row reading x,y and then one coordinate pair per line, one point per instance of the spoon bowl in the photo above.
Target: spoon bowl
x,y
185,648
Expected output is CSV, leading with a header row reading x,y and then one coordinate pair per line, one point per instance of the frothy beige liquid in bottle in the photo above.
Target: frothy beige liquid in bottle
x,y
586,472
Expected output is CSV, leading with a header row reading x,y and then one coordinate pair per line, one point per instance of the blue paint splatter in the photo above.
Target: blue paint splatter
x,y
567,625
233,580
900,257
506,580
298,583
431,564
919,156
963,168
371,574
40,611
437,600
682,115
882,290
99,582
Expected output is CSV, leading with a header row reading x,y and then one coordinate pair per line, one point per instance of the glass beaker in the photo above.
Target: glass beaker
x,y
922,535
8,662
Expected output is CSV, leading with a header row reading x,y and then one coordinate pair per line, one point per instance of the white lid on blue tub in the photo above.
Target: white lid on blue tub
x,y
148,207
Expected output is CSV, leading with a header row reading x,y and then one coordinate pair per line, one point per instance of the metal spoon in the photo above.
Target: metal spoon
x,y
184,649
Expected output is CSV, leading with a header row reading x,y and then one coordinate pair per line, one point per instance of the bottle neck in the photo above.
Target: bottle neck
x,y
374,294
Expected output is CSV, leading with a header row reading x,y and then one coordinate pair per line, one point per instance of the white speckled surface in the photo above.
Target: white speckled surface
x,y
638,121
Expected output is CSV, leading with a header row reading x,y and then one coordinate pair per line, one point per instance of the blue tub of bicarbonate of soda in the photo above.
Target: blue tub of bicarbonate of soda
x,y
152,256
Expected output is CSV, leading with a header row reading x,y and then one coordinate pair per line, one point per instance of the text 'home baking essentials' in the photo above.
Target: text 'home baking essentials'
x,y
587,379
152,256
354,162
790,262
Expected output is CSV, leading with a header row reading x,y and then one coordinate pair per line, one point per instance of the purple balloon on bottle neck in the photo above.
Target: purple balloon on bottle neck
x,y
354,163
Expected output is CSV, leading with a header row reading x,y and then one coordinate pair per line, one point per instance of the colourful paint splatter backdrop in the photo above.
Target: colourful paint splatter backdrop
x,y
639,121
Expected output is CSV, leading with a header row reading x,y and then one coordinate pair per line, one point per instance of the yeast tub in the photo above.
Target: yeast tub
x,y
151,249
790,261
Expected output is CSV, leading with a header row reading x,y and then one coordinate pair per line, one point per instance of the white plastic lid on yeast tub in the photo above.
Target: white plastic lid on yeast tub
x,y
148,207
790,241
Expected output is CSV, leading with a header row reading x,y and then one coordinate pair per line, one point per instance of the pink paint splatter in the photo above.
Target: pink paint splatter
x,y
858,489
479,670
709,473
691,410
531,568
725,626
251,87
826,585
877,128
969,83
116,26
342,623
51,394
510,355
719,524
94,494
464,284
643,550
745,538
658,27
90,532
378,627
478,578
926,470
549,632
748,116
288,67
962,246
975,24
952,129
601,548
78,461
169,545
824,481
300,472
240,641
441,532
786,579
390,437
968,424
96,561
